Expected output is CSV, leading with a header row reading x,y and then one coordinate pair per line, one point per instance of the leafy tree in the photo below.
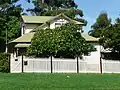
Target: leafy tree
x,y
11,24
9,7
10,21
111,37
101,22
64,41
55,7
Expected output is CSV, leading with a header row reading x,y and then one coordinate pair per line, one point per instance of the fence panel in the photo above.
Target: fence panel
x,y
64,65
85,67
93,68
111,66
37,65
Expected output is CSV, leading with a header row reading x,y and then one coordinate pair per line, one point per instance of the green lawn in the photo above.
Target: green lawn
x,y
34,81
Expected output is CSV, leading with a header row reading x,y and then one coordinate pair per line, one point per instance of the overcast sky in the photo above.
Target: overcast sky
x,y
92,9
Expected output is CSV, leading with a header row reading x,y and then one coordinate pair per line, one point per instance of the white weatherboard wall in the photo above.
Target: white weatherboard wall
x,y
94,57
30,27
91,63
62,21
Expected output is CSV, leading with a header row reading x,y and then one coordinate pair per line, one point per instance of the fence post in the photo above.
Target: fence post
x,y
51,64
22,64
100,60
100,64
77,65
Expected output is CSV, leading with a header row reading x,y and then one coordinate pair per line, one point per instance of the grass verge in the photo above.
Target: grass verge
x,y
36,81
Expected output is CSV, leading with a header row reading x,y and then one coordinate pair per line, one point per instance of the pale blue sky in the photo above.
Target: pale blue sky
x,y
92,9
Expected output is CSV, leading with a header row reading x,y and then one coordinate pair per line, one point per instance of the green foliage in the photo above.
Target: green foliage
x,y
12,27
9,7
2,44
10,21
4,62
11,24
55,7
64,41
111,37
101,22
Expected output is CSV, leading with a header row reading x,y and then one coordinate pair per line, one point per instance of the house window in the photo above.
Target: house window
x,y
25,62
16,59
58,24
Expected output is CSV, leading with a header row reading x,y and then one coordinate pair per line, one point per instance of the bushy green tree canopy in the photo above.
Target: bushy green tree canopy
x,y
55,7
9,21
111,37
101,22
64,41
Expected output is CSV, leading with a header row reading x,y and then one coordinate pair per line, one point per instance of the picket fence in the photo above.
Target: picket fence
x,y
57,65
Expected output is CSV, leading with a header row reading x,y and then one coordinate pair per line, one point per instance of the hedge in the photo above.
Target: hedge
x,y
4,62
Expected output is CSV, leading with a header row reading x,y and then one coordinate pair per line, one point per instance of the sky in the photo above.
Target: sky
x,y
91,9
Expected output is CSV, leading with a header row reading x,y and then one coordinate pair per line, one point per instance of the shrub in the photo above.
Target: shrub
x,y
4,62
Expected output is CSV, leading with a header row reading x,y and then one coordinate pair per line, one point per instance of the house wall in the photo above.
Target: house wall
x,y
94,57
61,21
28,28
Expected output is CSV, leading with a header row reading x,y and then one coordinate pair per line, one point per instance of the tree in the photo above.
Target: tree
x,y
9,7
101,22
55,7
11,24
111,37
10,21
64,41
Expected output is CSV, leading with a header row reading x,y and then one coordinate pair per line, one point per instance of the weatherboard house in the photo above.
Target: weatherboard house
x,y
30,24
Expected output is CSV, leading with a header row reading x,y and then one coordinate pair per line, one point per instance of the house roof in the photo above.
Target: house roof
x,y
90,38
22,45
44,19
36,19
66,17
58,16
27,38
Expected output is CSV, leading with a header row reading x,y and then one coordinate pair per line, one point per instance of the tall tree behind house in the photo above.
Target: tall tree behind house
x,y
55,7
9,18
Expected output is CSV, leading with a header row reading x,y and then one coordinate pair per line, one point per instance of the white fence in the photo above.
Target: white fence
x,y
110,66
57,65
